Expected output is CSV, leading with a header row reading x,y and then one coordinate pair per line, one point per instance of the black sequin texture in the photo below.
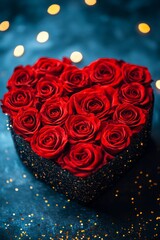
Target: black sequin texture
x,y
84,189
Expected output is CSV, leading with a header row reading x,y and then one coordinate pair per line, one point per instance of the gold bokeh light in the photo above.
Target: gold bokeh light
x,y
4,26
18,51
76,57
90,2
42,37
157,84
53,9
144,28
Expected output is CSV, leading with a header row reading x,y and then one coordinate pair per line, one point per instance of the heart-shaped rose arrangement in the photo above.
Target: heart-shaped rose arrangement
x,y
79,128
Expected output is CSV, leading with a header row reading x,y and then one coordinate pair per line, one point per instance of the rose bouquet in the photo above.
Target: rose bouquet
x,y
79,126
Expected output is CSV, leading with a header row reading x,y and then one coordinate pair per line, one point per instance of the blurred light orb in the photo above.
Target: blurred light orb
x,y
144,28
42,37
18,51
76,57
90,2
53,9
4,26
157,84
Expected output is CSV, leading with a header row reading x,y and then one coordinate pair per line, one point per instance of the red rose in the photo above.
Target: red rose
x,y
83,159
74,80
82,128
136,94
130,115
54,111
50,66
134,73
97,100
49,142
48,87
115,137
15,99
67,60
106,72
22,77
26,122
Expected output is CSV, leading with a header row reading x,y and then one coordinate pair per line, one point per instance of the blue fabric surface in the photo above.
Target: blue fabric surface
x,y
29,209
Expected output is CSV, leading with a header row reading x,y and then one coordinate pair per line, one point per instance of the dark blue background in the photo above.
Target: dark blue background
x,y
108,29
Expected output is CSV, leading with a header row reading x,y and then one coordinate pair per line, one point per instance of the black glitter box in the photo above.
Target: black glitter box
x,y
83,189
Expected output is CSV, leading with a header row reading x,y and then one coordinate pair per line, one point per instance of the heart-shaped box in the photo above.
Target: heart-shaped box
x,y
76,181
